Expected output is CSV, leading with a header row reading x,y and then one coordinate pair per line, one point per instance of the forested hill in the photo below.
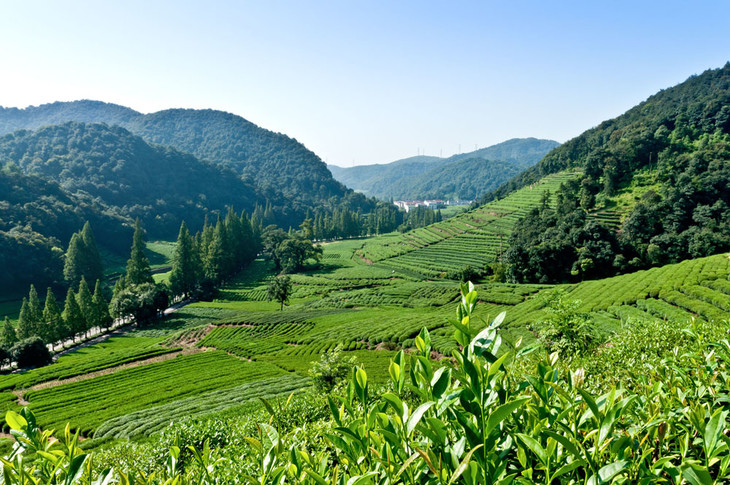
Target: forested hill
x,y
661,174
159,185
292,178
445,178
37,218
700,105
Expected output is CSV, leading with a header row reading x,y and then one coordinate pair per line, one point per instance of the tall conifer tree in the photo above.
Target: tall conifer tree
x,y
52,326
8,337
215,261
185,264
101,308
25,323
86,305
138,265
73,267
72,317
93,269
35,310
82,257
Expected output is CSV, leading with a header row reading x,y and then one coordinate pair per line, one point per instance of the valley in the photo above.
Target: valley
x,y
572,326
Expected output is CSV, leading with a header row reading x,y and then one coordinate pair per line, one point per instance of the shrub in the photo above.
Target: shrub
x,y
331,369
31,352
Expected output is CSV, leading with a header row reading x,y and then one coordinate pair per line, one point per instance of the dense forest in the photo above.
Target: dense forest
x,y
463,176
302,180
671,153
159,185
37,219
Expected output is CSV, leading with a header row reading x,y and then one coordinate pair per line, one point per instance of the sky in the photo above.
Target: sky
x,y
365,82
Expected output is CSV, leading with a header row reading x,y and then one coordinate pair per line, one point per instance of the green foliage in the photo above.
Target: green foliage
x,y
489,416
477,237
143,303
113,352
25,323
101,316
82,258
138,265
75,322
129,177
8,336
52,327
279,289
186,264
293,252
86,305
146,422
567,330
559,245
466,274
303,180
31,352
331,370
678,136
144,387
36,222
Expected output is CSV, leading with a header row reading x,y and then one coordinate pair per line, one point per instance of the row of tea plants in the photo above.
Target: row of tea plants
x,y
491,413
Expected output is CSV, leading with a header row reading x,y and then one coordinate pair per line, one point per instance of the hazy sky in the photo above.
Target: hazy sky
x,y
365,82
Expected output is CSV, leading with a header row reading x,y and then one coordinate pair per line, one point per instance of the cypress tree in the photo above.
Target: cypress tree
x,y
52,326
72,317
138,266
93,269
101,308
215,261
25,323
8,337
248,244
73,265
86,305
185,264
236,243
35,312
82,257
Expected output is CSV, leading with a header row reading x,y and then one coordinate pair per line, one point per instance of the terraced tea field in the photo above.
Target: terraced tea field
x,y
89,403
473,238
367,297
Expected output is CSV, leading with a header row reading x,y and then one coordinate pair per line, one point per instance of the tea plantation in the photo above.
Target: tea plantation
x,y
211,362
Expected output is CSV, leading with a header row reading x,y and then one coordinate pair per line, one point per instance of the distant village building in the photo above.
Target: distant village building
x,y
407,205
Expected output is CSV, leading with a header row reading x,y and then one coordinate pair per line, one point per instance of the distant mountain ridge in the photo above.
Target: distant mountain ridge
x,y
159,185
289,176
462,176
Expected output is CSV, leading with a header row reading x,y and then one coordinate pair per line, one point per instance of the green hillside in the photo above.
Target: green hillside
x,y
475,238
591,346
159,185
302,182
464,176
37,218
659,176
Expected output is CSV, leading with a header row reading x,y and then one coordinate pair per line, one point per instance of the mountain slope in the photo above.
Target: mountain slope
x,y
37,218
699,105
291,177
160,185
663,168
419,177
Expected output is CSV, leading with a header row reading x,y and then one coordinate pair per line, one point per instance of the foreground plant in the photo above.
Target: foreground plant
x,y
480,418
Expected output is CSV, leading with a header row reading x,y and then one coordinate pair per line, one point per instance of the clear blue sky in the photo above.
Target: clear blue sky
x,y
365,82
